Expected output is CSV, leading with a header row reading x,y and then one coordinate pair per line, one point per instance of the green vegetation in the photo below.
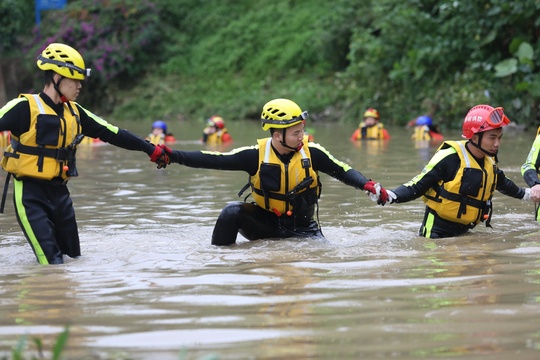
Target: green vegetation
x,y
189,58
19,351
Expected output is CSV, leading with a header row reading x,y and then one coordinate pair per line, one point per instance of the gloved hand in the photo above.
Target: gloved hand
x,y
160,157
379,194
527,195
373,189
387,197
167,150
535,193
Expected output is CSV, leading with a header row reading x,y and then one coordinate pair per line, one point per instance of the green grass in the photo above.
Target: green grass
x,y
19,352
22,351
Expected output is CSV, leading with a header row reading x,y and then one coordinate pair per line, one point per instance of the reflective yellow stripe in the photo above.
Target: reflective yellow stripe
x,y
39,104
10,105
429,225
21,211
102,122
346,167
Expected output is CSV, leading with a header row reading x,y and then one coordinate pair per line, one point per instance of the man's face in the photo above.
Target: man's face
x,y
491,140
370,121
210,130
70,88
293,136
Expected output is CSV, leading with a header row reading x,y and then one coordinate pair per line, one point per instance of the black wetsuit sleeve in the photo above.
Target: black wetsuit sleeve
x,y
241,159
531,177
443,166
95,127
508,187
15,116
325,162
529,169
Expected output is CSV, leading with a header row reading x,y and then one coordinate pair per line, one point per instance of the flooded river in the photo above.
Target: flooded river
x,y
150,286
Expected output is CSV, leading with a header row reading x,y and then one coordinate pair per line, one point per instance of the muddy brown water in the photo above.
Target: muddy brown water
x,y
150,286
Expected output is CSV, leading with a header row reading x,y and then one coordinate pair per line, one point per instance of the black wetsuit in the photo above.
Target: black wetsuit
x,y
44,208
252,221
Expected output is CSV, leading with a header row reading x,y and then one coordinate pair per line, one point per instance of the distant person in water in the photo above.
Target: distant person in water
x,y
215,132
425,130
458,183
159,134
370,128
284,179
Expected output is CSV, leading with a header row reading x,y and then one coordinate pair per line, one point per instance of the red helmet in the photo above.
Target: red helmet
x,y
483,118
371,112
216,121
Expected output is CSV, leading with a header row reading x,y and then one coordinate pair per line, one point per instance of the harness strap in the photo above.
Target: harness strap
x,y
463,201
60,154
244,188
479,204
489,212
440,193
4,193
434,198
282,197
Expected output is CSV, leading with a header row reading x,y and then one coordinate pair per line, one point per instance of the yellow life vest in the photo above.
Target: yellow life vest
x,y
47,149
217,137
421,133
156,139
466,198
371,132
276,185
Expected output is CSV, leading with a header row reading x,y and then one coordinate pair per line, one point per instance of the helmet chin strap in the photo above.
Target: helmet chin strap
x,y
282,142
57,88
480,148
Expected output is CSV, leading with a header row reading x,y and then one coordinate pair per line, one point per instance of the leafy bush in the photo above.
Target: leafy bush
x,y
190,58
14,20
232,56
443,51
118,39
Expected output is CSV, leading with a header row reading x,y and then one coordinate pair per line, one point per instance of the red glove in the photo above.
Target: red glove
x,y
377,193
156,154
371,187
166,149
160,157
383,197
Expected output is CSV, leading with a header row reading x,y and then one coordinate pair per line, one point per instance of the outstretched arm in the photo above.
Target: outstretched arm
x,y
508,187
96,127
325,162
442,167
244,159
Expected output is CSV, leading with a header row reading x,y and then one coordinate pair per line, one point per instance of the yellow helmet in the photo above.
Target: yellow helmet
x,y
371,112
63,60
281,113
